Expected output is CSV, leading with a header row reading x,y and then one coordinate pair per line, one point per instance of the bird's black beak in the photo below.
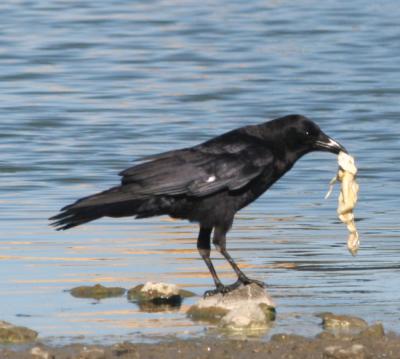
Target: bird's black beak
x,y
325,143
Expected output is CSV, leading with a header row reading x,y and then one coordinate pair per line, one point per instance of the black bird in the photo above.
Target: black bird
x,y
207,183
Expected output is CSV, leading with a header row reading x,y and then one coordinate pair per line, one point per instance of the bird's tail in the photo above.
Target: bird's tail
x,y
114,202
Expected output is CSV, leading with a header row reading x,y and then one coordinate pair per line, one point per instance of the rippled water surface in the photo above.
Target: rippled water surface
x,y
86,87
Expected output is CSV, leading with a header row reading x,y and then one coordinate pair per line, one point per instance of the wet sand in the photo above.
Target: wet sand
x,y
371,343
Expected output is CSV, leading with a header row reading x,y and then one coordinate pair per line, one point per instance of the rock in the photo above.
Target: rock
x,y
281,337
97,292
325,336
153,296
13,334
210,314
124,348
342,323
249,316
374,331
247,307
39,353
356,351
92,353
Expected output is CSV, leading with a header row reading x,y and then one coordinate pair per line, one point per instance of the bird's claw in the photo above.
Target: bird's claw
x,y
210,293
224,289
221,289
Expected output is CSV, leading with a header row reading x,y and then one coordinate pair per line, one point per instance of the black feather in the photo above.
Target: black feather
x,y
206,183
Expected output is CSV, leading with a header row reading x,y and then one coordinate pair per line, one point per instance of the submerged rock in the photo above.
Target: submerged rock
x,y
97,292
10,333
342,323
348,327
158,296
247,307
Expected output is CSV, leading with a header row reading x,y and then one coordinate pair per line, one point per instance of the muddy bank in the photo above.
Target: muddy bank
x,y
369,343
341,337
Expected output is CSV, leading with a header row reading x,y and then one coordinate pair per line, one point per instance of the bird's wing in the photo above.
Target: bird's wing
x,y
197,172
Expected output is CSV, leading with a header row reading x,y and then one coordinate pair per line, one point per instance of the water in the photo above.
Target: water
x,y
87,87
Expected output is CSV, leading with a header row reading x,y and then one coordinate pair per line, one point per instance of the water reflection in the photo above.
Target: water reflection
x,y
150,307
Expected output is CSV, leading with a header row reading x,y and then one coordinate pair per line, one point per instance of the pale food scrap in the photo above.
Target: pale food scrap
x,y
347,198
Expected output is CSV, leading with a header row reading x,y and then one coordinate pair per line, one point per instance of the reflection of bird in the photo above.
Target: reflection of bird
x,y
207,183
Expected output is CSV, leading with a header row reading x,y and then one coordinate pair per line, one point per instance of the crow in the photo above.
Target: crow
x,y
207,183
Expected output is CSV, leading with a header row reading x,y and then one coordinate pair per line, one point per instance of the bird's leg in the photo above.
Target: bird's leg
x,y
219,240
203,246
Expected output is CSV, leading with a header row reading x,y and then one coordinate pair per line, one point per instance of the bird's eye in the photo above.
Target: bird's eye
x,y
308,133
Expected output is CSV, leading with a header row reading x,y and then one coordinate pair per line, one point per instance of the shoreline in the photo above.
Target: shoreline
x,y
371,342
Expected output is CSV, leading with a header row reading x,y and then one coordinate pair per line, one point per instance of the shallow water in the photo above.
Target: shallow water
x,y
87,87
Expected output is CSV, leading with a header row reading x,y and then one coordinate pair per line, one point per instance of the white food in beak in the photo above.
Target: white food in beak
x,y
347,198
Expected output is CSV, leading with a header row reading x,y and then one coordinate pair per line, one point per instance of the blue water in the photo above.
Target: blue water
x,y
87,87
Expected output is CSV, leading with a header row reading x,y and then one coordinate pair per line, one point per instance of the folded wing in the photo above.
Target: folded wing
x,y
197,172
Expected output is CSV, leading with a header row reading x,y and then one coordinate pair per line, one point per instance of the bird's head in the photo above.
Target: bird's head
x,y
303,136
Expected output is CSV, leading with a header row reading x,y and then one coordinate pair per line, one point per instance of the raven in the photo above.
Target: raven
x,y
207,183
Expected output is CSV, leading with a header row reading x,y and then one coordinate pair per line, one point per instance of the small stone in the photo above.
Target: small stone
x,y
356,351
13,334
91,353
124,348
39,353
97,292
280,337
342,323
158,294
373,331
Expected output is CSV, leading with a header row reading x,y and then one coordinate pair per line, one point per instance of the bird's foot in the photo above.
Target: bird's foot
x,y
222,289
246,281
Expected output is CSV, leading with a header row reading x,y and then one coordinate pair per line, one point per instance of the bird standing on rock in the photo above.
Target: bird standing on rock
x,y
207,183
